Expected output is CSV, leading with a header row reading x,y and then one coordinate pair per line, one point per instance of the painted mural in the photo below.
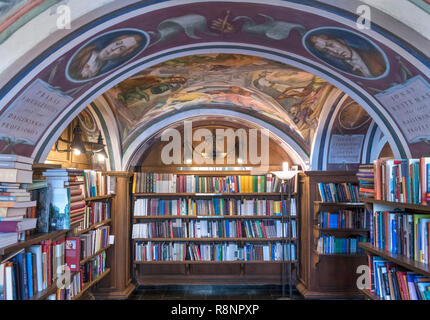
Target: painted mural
x,y
105,53
366,67
285,94
347,51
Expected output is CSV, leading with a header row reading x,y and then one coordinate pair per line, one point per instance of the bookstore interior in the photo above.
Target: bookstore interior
x,y
214,150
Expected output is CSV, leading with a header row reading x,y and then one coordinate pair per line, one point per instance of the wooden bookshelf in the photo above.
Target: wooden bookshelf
x,y
42,295
343,255
369,294
94,226
409,206
85,260
325,275
207,272
31,240
341,230
91,284
401,260
100,198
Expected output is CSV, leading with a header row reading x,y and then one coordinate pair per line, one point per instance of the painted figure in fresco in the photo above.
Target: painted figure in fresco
x,y
361,63
90,62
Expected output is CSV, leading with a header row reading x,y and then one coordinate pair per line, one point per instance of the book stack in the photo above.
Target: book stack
x,y
403,180
178,228
392,282
94,241
333,245
31,270
67,197
366,177
97,184
402,233
338,192
94,268
345,219
15,200
213,207
148,182
179,251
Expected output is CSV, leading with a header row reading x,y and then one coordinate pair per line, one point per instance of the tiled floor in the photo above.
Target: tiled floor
x,y
210,292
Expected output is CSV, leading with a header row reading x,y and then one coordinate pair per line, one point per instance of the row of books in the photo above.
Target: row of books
x,y
392,282
338,192
402,233
179,251
214,229
366,181
332,245
94,241
31,270
403,180
96,212
97,184
345,219
148,182
213,207
94,268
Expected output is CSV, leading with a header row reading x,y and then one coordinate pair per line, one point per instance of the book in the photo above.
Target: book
x,y
73,250
16,175
12,212
15,158
17,226
14,204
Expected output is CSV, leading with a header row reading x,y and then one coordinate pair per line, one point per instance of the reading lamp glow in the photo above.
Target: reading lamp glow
x,y
285,174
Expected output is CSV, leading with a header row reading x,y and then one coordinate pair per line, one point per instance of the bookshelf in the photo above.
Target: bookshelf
x,y
327,275
107,283
401,260
188,271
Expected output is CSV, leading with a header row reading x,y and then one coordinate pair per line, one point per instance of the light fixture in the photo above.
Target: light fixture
x,y
79,146
285,175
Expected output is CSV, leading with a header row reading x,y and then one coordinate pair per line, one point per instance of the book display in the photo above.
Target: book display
x,y
203,228
65,234
333,224
398,248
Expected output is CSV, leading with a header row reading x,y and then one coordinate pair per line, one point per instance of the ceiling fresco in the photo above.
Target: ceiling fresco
x,y
285,94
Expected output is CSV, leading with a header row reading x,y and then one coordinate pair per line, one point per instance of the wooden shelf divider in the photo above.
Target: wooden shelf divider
x,y
401,260
90,284
32,239
93,255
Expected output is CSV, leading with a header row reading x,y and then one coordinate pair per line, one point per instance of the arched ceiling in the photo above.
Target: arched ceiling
x,y
288,97
44,85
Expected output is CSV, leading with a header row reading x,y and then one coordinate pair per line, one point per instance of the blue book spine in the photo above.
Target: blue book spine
x,y
371,227
29,274
394,235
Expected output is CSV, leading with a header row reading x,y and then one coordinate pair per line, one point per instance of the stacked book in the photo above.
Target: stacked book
x,y
97,184
67,197
402,233
338,192
213,207
15,200
366,177
403,180
31,270
148,182
392,282
333,245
